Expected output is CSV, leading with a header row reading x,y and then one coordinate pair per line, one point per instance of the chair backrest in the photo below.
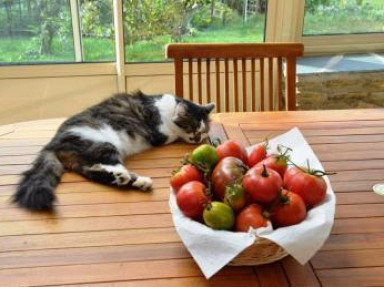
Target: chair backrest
x,y
266,59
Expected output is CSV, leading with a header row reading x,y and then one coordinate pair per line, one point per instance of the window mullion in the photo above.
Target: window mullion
x,y
119,44
76,30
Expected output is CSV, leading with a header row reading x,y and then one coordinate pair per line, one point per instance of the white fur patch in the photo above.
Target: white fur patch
x,y
125,144
121,174
143,183
167,106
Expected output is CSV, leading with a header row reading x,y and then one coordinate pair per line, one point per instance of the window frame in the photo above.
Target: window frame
x,y
284,23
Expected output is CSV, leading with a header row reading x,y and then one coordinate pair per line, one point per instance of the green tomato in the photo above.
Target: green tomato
x,y
219,215
205,155
235,196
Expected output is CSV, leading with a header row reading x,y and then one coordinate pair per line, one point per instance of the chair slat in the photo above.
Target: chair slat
x,y
218,94
190,78
244,70
290,97
253,80
208,84
226,85
179,90
270,83
280,83
236,85
199,81
262,84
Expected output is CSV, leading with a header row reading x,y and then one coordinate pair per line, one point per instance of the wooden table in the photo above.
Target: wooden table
x,y
100,235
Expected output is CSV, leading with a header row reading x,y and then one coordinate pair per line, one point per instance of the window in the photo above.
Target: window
x,y
97,30
150,24
326,17
43,31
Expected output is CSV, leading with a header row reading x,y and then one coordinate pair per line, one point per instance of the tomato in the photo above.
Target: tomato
x,y
276,162
262,184
307,183
258,153
289,210
218,215
191,199
235,196
185,174
205,155
251,216
227,172
234,149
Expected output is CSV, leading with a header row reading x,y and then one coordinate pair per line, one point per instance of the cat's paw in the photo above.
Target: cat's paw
x,y
121,178
143,183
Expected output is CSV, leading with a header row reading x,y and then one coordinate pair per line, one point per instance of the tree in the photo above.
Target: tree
x,y
8,7
49,14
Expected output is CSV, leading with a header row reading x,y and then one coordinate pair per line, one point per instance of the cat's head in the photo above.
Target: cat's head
x,y
192,120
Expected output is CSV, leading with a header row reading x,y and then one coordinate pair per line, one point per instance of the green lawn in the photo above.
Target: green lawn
x,y
26,50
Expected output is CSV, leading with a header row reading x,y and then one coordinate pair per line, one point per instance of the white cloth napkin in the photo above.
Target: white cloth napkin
x,y
212,250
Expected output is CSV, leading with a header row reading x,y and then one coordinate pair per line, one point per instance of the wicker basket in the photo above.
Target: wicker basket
x,y
262,251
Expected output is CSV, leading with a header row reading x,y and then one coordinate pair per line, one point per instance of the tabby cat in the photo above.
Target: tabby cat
x,y
95,142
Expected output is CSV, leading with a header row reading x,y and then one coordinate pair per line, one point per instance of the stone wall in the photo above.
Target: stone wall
x,y
340,90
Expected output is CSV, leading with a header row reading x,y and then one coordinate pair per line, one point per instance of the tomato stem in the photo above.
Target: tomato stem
x,y
265,172
315,172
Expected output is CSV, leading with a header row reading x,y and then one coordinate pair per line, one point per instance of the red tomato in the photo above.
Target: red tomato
x,y
276,162
251,216
234,149
186,174
307,183
289,210
192,199
262,184
258,153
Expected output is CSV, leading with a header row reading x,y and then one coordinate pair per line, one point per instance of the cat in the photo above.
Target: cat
x,y
95,142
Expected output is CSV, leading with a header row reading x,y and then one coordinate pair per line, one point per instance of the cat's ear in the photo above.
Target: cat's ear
x,y
180,111
209,107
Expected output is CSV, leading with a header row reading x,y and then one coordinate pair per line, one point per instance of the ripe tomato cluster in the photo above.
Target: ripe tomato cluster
x,y
228,189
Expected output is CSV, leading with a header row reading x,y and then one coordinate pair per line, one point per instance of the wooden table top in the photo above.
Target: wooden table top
x,y
104,237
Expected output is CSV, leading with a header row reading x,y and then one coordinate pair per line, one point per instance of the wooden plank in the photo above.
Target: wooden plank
x,y
103,197
64,225
356,186
337,139
271,275
67,178
106,272
253,87
299,275
354,241
89,239
20,168
348,258
90,255
359,198
358,225
244,83
351,277
262,101
217,281
312,129
360,210
87,210
199,82
303,116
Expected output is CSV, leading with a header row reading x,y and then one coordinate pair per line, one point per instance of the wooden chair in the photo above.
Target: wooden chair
x,y
264,58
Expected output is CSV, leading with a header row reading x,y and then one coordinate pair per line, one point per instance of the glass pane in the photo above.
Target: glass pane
x,y
324,17
97,30
151,24
35,31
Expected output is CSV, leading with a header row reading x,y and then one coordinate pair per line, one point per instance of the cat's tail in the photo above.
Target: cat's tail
x,y
37,186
